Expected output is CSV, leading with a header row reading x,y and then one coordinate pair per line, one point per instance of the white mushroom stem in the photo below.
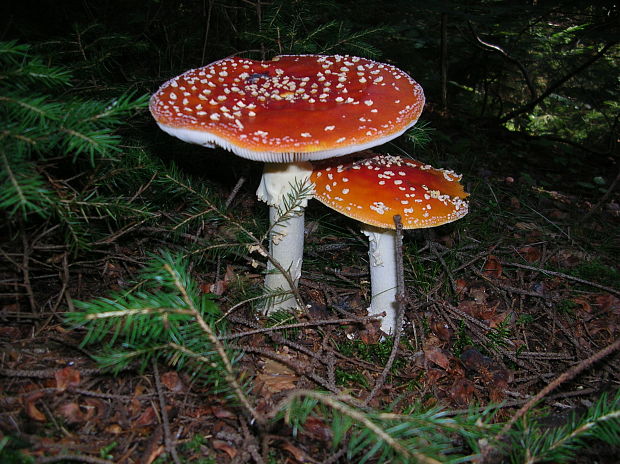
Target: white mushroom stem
x,y
382,258
286,240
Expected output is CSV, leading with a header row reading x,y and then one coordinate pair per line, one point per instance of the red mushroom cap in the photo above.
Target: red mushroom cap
x,y
373,190
292,108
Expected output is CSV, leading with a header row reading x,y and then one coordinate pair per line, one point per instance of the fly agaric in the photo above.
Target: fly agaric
x,y
373,191
286,112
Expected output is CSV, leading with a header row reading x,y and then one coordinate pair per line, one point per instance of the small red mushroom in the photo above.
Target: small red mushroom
x,y
373,191
287,111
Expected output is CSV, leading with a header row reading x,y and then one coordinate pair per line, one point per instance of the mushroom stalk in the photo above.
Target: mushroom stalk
x,y
286,218
382,259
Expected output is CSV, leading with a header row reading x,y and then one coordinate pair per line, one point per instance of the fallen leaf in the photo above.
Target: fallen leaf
x,y
515,203
530,253
433,375
275,383
461,286
67,377
95,408
276,376
12,333
462,391
441,329
297,453
114,429
371,334
148,417
221,445
220,286
608,302
492,267
317,429
222,413
558,214
172,381
30,407
527,226
72,413
583,304
438,357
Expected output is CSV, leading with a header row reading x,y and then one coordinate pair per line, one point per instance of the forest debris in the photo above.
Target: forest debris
x,y
66,378
173,382
221,445
30,406
492,267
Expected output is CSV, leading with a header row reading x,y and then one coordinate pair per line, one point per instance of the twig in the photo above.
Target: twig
x,y
170,448
517,63
603,199
400,305
556,84
565,376
445,266
234,192
73,457
564,276
26,271
360,320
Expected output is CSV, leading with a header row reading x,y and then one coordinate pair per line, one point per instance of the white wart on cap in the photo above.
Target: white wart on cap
x,y
291,108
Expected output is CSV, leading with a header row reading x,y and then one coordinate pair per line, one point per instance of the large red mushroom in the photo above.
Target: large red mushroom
x,y
376,189
285,112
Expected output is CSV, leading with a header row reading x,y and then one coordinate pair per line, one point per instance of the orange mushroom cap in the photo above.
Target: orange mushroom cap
x,y
373,190
291,108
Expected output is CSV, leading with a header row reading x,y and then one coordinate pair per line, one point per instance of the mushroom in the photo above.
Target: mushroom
x,y
286,112
376,189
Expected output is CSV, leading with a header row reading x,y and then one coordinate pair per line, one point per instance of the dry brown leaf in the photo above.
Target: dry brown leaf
x,y
441,329
220,286
30,406
461,286
67,377
222,413
371,334
492,267
433,375
148,417
462,391
95,408
530,253
154,454
438,357
608,302
114,429
274,383
317,429
221,445
583,305
297,453
12,333
172,381
72,413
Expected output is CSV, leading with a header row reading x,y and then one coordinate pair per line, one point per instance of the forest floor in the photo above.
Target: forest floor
x,y
499,305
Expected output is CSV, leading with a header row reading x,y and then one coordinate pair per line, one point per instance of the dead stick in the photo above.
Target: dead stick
x,y
234,192
564,276
567,375
170,449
